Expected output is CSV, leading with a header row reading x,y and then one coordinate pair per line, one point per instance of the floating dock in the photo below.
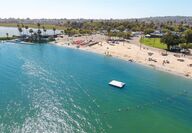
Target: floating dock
x,y
117,84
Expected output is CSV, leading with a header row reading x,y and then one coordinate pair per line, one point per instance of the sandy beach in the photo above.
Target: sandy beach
x,y
132,51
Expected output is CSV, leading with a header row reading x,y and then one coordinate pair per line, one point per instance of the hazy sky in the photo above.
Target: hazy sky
x,y
94,8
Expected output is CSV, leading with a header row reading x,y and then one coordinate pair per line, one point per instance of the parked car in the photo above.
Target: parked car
x,y
185,51
175,49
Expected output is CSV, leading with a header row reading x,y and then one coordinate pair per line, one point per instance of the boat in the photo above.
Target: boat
x,y
117,84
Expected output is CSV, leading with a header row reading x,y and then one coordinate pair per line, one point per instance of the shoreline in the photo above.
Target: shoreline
x,y
143,63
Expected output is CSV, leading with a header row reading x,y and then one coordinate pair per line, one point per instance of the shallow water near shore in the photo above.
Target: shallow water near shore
x,y
47,88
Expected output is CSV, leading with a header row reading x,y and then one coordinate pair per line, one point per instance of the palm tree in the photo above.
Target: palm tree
x,y
22,25
27,27
7,34
20,30
44,30
18,25
31,31
35,35
39,34
54,29
38,25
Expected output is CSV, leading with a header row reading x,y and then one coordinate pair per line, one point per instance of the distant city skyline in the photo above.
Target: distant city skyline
x,y
94,9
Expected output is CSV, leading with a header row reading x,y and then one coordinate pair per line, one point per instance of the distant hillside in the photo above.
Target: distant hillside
x,y
175,19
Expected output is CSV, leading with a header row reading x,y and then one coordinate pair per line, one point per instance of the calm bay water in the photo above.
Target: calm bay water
x,y
46,88
14,31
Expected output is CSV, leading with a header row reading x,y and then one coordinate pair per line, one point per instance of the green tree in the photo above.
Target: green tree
x,y
127,35
188,36
148,31
170,40
121,28
165,30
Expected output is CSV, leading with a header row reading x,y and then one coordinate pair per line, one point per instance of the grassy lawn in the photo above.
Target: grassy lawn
x,y
153,42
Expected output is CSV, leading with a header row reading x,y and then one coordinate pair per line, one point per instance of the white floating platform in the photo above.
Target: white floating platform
x,y
117,84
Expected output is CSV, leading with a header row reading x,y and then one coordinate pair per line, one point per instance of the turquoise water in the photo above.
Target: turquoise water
x,y
51,89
